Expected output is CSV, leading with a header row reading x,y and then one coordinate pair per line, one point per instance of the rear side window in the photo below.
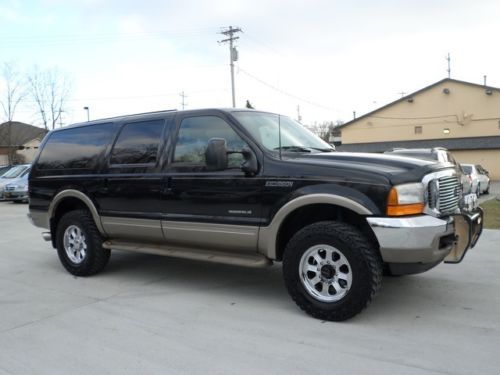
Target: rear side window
x,y
138,143
78,148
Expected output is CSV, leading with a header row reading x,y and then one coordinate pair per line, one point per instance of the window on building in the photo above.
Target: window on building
x,y
418,130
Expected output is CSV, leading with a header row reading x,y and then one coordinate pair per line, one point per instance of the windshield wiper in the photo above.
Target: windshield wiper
x,y
323,149
293,148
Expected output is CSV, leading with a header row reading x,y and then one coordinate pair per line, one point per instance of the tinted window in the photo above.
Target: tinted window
x,y
78,148
192,141
138,143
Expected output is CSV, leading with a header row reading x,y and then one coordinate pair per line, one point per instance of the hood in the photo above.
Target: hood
x,y
397,169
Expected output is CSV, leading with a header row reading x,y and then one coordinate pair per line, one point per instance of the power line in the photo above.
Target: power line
x,y
102,37
284,92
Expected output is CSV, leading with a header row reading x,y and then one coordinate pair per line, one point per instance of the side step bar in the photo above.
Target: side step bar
x,y
246,260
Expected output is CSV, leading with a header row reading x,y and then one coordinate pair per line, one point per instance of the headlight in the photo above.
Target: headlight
x,y
406,199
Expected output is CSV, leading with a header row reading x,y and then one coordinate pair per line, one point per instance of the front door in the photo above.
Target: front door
x,y
210,210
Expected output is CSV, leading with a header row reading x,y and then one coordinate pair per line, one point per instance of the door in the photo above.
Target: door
x,y
212,210
130,196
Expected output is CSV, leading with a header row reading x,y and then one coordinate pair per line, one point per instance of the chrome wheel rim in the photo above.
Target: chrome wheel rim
x,y
325,273
75,244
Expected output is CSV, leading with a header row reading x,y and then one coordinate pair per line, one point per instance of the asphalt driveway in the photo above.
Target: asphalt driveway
x,y
152,315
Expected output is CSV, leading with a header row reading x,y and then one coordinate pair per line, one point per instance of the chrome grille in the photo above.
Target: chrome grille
x,y
449,194
9,188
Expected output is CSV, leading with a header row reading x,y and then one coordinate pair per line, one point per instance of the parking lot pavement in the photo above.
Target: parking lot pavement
x,y
152,315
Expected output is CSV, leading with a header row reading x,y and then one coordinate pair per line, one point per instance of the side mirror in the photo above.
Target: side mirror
x,y
250,166
216,154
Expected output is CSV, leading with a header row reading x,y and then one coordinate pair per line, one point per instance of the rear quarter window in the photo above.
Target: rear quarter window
x,y
77,148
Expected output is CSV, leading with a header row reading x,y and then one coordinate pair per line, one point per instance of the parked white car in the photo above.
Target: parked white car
x,y
480,181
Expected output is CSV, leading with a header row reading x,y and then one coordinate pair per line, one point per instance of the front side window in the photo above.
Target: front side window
x,y
192,142
275,131
138,143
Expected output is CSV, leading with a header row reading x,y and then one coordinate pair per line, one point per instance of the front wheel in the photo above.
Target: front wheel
x,y
79,244
331,270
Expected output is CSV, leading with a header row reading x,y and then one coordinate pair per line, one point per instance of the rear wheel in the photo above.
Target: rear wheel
x,y
79,244
331,270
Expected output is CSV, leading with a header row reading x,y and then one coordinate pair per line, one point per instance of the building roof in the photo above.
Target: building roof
x,y
473,143
405,98
20,133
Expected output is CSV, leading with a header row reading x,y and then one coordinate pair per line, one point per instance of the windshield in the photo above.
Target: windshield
x,y
15,171
264,127
467,169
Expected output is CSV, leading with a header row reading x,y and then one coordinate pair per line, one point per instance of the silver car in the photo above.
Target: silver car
x,y
12,174
17,190
480,181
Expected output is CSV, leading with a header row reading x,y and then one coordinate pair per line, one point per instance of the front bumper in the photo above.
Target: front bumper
x,y
425,239
13,195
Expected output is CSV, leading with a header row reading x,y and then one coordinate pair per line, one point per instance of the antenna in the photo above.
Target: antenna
x,y
279,134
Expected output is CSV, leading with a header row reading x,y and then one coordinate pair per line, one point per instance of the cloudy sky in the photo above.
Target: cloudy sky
x,y
328,57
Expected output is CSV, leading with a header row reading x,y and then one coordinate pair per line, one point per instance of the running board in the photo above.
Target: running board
x,y
246,260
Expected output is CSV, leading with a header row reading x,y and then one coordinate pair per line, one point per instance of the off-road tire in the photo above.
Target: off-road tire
x,y
363,258
96,256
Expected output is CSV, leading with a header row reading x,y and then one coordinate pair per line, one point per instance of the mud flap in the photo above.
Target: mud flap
x,y
468,228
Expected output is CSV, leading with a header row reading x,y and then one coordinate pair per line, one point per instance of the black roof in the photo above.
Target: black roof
x,y
405,98
473,143
153,115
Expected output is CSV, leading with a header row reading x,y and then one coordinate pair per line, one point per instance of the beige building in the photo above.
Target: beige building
x,y
19,142
461,116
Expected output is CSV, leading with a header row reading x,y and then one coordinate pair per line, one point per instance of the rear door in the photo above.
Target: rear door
x,y
129,199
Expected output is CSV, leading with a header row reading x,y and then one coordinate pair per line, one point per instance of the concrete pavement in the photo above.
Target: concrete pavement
x,y
152,315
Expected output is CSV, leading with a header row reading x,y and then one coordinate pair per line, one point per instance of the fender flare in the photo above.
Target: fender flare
x,y
72,193
268,235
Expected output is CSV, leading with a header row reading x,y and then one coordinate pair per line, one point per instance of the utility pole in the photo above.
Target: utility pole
x,y
448,58
299,117
233,53
183,99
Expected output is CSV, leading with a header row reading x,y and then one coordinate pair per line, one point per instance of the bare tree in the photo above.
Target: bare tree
x,y
322,129
14,92
49,89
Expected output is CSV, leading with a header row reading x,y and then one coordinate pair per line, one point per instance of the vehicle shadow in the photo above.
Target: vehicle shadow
x,y
407,297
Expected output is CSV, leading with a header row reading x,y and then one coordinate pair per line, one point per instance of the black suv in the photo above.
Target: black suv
x,y
247,188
